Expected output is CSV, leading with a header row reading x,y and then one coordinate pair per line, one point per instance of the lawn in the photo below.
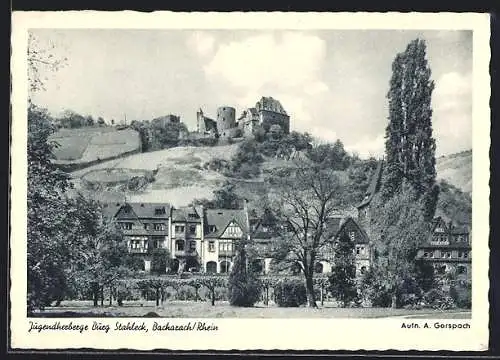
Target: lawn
x,y
202,309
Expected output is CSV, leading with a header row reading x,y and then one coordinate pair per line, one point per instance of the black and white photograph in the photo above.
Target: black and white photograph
x,y
201,174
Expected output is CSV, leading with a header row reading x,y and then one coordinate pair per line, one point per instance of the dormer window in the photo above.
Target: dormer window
x,y
160,211
211,228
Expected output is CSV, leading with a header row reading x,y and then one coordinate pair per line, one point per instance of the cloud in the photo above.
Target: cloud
x,y
452,117
286,66
368,146
201,42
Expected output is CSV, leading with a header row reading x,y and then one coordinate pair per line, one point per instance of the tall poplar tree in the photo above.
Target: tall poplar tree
x,y
410,146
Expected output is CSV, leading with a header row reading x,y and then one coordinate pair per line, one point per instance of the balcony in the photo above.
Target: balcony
x,y
185,253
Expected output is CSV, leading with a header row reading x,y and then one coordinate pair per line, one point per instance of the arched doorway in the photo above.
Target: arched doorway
x,y
211,267
224,266
192,264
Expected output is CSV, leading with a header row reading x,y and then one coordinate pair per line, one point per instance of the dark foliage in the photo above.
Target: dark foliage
x,y
410,146
290,293
244,287
343,284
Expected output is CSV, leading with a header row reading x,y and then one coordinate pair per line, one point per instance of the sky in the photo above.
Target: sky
x,y
332,83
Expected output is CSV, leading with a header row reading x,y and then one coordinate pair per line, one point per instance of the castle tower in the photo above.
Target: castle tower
x,y
200,119
226,118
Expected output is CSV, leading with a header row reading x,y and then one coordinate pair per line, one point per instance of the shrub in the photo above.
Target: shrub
x,y
244,286
248,171
462,295
438,299
125,291
186,293
290,293
159,260
217,164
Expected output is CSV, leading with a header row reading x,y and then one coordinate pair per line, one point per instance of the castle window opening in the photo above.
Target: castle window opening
x,y
211,246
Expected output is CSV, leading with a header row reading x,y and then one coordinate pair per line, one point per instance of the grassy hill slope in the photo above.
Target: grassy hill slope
x,y
179,175
83,146
456,169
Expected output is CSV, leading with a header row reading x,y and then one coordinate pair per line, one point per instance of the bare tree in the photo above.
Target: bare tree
x,y
41,60
303,198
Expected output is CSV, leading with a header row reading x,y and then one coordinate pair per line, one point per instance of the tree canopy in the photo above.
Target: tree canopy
x,y
303,198
410,146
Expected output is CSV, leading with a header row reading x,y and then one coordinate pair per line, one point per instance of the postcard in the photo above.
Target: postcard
x,y
250,181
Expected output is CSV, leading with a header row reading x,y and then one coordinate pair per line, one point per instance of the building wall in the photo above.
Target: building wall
x,y
268,118
211,256
226,118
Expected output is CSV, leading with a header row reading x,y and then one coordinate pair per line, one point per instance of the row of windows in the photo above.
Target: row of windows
x,y
446,255
182,228
445,238
180,245
155,226
159,227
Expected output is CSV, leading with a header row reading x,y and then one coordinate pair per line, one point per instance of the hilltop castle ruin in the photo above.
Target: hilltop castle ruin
x,y
266,113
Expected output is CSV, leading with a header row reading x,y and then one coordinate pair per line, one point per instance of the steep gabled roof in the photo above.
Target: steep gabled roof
x,y
374,186
186,214
258,232
333,225
221,218
109,210
136,210
350,221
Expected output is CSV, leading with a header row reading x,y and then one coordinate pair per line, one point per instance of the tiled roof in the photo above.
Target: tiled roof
x,y
374,185
187,213
350,220
221,218
143,210
109,210
459,230
333,225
